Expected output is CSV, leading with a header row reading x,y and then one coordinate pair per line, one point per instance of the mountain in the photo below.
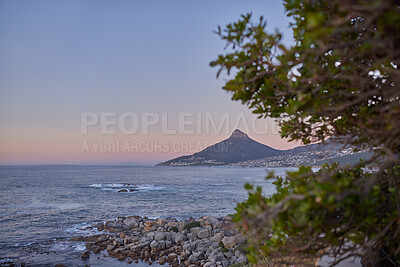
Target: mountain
x,y
241,150
238,147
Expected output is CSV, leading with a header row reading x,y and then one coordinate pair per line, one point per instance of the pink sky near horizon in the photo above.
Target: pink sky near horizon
x,y
70,147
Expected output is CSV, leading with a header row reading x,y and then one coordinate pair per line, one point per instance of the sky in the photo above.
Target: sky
x,y
120,81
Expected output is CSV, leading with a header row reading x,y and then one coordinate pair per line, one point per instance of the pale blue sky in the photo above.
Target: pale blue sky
x,y
61,58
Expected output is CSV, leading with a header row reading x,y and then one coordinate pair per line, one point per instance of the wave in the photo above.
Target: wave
x,y
127,188
24,244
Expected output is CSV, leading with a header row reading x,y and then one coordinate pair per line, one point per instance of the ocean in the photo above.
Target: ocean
x,y
42,206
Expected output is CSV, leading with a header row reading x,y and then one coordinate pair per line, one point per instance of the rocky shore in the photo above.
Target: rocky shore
x,y
207,241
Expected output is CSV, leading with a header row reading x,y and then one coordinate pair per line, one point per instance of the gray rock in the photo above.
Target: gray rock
x,y
159,236
186,246
154,244
168,244
135,248
221,256
161,222
241,259
197,254
213,258
217,237
118,242
168,236
237,253
192,237
113,225
225,263
216,251
229,241
209,264
228,254
150,235
144,244
208,252
203,233
213,246
179,237
193,259
195,230
162,244
172,256
209,228
131,222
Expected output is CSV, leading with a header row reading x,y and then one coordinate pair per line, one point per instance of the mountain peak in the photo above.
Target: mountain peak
x,y
238,134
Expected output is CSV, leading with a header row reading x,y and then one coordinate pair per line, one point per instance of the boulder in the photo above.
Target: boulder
x,y
217,237
154,244
113,225
229,241
203,234
191,237
179,237
159,236
193,259
213,221
162,260
195,230
131,222
150,235
161,222
172,257
242,259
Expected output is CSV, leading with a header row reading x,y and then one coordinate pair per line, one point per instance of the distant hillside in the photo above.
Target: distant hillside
x,y
347,159
238,147
241,150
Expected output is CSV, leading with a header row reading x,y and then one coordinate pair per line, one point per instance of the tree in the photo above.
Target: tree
x,y
340,79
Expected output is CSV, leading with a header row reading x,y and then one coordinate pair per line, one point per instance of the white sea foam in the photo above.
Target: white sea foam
x,y
68,246
24,244
82,229
127,188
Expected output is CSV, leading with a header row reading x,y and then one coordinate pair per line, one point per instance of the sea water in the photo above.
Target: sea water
x,y
42,206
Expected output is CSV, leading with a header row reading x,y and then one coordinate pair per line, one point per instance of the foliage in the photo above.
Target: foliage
x,y
174,229
190,225
339,79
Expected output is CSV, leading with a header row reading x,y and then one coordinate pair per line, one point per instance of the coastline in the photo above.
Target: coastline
x,y
207,241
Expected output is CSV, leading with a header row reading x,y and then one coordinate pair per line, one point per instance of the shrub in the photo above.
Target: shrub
x,y
190,225
174,228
